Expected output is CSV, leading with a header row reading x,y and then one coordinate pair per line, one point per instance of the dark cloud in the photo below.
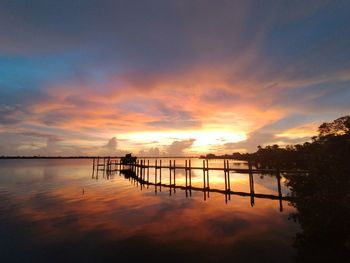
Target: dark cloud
x,y
56,117
171,117
161,34
220,96
49,137
9,115
175,124
326,97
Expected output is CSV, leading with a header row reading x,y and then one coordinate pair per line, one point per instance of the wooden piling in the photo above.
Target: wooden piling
x,y
225,172
186,171
170,173
147,170
228,179
155,172
204,184
279,189
208,185
160,172
228,175
174,173
190,172
141,176
251,185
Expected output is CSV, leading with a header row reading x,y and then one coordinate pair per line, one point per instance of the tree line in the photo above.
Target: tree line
x,y
332,142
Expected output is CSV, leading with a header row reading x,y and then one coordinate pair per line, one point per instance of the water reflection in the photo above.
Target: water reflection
x,y
64,215
322,201
142,182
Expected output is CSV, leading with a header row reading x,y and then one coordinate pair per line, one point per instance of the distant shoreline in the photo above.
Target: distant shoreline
x,y
89,157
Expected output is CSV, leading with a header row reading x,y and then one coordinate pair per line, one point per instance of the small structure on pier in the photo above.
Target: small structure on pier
x,y
128,159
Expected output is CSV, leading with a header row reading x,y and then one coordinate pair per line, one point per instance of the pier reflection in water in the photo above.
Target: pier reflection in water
x,y
139,173
52,210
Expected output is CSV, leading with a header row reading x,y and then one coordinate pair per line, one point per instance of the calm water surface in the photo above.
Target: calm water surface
x,y
58,211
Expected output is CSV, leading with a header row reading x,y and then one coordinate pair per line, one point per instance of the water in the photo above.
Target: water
x,y
58,211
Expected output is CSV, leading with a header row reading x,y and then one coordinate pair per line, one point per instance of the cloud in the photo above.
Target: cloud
x,y
49,137
98,68
273,133
111,145
177,148
9,115
151,152
51,147
109,149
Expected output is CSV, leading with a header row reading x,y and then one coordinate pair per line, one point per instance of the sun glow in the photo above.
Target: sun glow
x,y
203,139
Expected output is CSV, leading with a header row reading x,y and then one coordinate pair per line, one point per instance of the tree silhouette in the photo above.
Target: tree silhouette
x,y
340,126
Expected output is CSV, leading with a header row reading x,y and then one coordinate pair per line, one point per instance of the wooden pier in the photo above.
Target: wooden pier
x,y
139,172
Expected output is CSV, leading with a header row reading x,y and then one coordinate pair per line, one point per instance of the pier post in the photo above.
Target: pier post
x,y
186,171
141,181
228,180
174,174
250,167
144,171
155,172
208,185
225,175
160,171
139,169
147,170
170,174
251,184
96,177
104,167
279,189
207,164
228,175
190,172
204,184
142,165
93,172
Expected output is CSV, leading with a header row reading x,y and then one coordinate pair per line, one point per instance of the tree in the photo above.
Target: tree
x,y
340,126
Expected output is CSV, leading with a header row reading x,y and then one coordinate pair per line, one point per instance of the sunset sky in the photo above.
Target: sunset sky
x,y
169,77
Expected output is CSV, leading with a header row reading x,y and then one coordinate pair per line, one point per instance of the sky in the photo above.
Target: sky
x,y
161,77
